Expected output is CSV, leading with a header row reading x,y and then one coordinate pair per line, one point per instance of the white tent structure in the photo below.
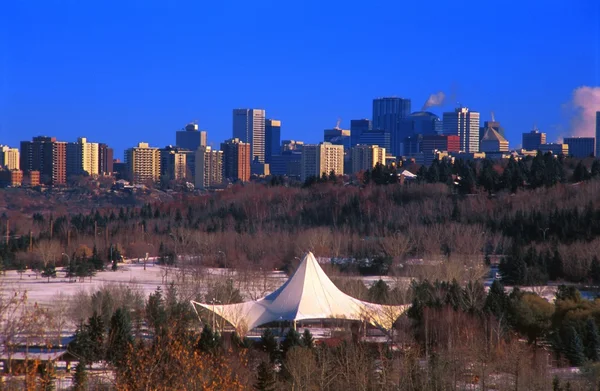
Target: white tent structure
x,y
307,294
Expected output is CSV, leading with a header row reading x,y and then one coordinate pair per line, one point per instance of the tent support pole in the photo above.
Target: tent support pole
x,y
294,324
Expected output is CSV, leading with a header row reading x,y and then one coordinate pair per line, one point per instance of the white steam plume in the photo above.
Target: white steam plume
x,y
436,99
586,102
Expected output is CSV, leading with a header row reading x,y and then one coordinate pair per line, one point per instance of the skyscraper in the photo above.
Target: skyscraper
x,y
337,136
365,157
491,124
173,163
143,164
209,168
358,127
322,158
597,151
532,140
380,138
272,138
236,160
82,157
463,123
580,147
493,141
46,155
249,127
105,159
387,113
190,137
9,157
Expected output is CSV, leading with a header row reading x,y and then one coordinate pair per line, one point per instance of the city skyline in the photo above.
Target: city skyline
x,y
82,70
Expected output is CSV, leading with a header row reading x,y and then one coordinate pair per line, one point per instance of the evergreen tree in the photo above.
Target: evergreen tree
x,y
269,344
595,270
555,267
47,377
580,173
592,346
379,292
49,271
307,339
496,302
292,338
209,341
156,314
96,329
119,337
265,377
488,177
595,169
573,347
80,377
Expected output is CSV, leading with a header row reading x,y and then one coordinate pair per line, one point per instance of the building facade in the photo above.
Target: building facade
x,y
381,138
82,158
493,141
173,163
387,115
209,168
532,140
581,147
358,127
272,138
105,159
448,143
190,137
337,136
236,160
249,127
143,164
291,145
365,157
10,158
465,124
597,150
319,159
48,156
555,148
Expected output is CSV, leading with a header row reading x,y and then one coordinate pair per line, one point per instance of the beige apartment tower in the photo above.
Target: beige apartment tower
x,y
9,157
143,164
209,167
321,158
365,157
82,157
173,163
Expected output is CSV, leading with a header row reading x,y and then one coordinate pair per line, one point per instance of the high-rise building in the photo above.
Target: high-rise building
x,y
82,158
463,123
321,158
143,164
291,145
580,147
358,127
209,168
190,137
387,114
105,159
236,160
432,143
380,138
491,124
272,138
597,150
173,163
365,157
249,127
492,141
48,156
288,163
337,136
9,158
532,140
556,148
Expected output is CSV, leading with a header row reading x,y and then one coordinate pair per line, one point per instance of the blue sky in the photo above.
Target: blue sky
x,y
127,71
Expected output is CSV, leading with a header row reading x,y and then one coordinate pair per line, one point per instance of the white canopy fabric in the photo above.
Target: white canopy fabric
x,y
307,294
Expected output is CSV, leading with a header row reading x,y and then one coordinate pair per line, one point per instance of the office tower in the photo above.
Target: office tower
x,y
291,145
173,163
143,164
272,138
555,148
430,143
532,140
365,157
358,127
597,150
190,137
209,168
491,124
105,159
463,123
323,158
337,136
236,160
580,147
82,158
249,127
411,145
9,158
288,164
48,156
387,113
492,141
380,138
